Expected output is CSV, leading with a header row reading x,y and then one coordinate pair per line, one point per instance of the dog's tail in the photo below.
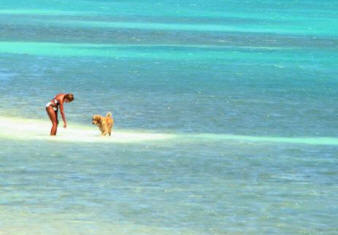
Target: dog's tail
x,y
108,114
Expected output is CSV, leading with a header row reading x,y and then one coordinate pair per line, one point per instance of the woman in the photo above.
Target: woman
x,y
52,110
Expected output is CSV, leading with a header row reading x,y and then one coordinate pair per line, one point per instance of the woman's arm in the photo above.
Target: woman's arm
x,y
63,115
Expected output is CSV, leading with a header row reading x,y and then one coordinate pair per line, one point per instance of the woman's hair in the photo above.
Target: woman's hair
x,y
69,97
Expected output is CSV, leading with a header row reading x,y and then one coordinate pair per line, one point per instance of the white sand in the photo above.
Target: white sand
x,y
32,129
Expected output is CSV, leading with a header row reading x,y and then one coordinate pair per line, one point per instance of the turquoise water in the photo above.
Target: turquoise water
x,y
226,117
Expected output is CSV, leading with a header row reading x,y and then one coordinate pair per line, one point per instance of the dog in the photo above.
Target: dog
x,y
105,124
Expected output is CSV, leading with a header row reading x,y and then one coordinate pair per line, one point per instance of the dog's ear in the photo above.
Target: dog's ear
x,y
96,118
100,119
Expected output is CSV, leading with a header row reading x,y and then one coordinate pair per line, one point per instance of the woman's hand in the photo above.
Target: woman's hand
x,y
65,125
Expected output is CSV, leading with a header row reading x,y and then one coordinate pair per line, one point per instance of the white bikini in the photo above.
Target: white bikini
x,y
54,105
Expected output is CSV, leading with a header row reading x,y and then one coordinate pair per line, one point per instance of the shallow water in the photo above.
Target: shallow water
x,y
226,117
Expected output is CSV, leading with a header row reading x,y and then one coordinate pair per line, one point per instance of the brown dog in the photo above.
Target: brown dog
x,y
105,124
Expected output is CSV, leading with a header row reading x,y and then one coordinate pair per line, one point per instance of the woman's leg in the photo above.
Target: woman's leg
x,y
53,116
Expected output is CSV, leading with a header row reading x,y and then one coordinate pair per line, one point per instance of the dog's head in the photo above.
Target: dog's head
x,y
96,120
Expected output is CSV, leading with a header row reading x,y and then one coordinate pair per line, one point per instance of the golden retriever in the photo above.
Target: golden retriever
x,y
105,124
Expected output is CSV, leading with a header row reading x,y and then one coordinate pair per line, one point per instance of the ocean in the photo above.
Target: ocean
x,y
225,117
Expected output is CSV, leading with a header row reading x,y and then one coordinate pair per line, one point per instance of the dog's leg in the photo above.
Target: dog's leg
x,y
104,132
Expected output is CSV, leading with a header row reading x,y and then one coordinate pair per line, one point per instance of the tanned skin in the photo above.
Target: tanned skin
x,y
53,115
